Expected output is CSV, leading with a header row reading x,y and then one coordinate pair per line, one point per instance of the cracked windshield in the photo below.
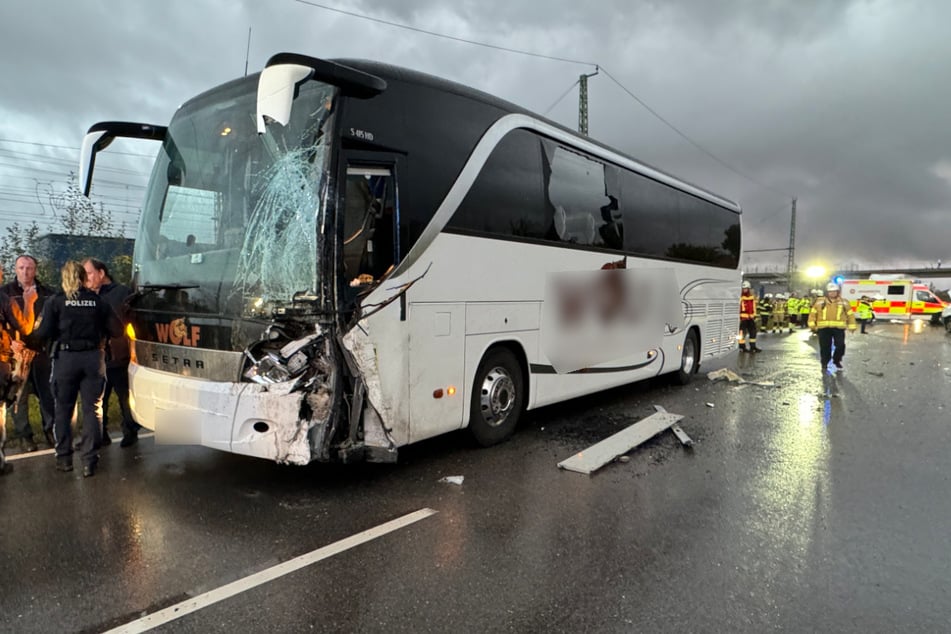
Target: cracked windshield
x,y
235,214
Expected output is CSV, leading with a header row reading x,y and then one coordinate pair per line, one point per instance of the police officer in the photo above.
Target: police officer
x,y
79,323
118,354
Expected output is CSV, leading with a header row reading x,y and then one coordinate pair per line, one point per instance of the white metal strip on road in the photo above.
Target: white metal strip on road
x,y
241,585
596,456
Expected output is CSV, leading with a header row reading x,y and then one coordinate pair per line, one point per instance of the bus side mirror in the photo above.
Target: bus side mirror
x,y
93,142
277,86
285,72
100,135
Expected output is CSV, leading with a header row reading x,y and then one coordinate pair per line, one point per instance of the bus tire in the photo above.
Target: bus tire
x,y
689,358
498,397
947,324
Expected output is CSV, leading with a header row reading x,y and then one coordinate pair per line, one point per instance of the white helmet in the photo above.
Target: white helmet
x,y
746,285
769,296
832,286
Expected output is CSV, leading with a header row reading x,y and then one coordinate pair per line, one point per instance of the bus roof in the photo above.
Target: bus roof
x,y
407,75
410,76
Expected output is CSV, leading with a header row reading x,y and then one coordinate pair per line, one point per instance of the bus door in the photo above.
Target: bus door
x,y
370,214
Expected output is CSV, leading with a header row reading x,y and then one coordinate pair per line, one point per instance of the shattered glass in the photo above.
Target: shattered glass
x,y
279,254
235,214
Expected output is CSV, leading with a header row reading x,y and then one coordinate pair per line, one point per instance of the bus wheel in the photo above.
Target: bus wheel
x,y
689,360
498,397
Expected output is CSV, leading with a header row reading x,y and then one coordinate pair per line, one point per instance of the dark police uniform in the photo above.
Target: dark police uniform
x,y
79,329
117,365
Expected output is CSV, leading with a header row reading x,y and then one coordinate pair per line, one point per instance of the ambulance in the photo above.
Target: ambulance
x,y
895,298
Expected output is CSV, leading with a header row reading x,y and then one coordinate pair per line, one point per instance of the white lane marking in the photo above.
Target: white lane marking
x,y
50,452
241,585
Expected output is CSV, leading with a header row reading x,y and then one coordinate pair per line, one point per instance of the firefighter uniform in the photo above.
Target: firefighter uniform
x,y
863,313
829,317
780,320
747,319
792,310
765,311
79,328
805,307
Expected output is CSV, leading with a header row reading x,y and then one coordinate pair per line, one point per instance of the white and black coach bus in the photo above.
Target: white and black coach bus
x,y
339,258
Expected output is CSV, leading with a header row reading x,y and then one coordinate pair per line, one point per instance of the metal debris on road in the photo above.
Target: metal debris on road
x,y
725,373
681,435
733,377
453,479
599,454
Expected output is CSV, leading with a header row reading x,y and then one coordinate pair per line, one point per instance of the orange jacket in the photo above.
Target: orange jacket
x,y
747,306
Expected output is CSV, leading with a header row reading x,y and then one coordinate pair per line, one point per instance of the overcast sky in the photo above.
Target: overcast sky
x,y
842,105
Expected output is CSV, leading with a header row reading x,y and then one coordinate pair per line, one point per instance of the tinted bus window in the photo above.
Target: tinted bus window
x,y
650,213
508,198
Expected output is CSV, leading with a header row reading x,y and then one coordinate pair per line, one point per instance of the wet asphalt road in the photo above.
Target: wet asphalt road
x,y
816,504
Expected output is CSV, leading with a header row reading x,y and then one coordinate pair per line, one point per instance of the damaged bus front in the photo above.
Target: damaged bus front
x,y
235,310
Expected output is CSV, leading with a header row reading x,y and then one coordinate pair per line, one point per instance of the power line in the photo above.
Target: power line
x,y
363,16
656,114
688,139
564,94
67,147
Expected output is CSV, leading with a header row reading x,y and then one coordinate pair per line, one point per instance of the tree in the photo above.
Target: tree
x,y
75,216
78,216
17,241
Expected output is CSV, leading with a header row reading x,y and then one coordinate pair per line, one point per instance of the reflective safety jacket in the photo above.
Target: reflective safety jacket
x,y
765,306
864,311
792,306
805,305
831,313
747,306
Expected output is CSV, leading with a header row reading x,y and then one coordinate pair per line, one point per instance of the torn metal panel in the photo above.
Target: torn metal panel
x,y
358,343
287,415
681,435
379,445
596,456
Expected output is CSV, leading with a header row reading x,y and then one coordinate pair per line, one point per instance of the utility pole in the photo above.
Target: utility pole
x,y
583,102
247,53
791,261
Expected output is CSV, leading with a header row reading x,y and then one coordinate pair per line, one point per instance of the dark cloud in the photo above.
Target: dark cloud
x,y
839,104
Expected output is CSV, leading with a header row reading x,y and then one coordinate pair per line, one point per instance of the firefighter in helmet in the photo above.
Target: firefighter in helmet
x,y
829,318
748,319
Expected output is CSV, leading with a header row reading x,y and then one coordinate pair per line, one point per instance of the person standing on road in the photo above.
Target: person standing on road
x,y
79,323
747,319
764,309
118,353
27,298
863,313
805,307
829,317
8,387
